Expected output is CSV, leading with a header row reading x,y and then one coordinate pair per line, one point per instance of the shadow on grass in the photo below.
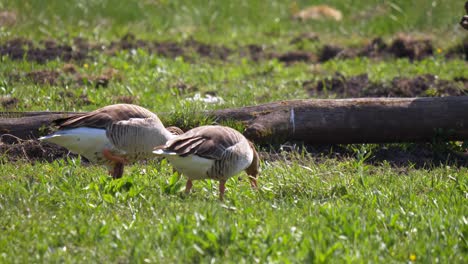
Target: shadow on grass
x,y
416,155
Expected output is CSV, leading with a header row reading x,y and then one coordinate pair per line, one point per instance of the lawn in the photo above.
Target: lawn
x,y
362,203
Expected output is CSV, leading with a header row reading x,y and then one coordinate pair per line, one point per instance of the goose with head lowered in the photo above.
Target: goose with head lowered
x,y
211,152
113,135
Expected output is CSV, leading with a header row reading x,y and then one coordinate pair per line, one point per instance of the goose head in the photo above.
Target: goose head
x,y
254,168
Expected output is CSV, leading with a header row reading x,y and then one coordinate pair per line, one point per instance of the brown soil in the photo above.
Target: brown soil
x,y
329,52
459,51
403,46
32,151
67,75
421,155
417,155
254,52
406,47
8,102
295,56
171,49
43,77
360,86
19,49
99,81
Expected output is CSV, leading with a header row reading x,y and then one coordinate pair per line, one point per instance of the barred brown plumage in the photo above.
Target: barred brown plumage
x,y
113,135
214,152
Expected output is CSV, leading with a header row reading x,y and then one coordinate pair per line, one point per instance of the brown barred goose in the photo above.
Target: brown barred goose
x,y
113,135
214,152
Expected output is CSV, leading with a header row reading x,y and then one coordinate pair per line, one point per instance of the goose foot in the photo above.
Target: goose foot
x,y
118,170
222,188
253,182
188,186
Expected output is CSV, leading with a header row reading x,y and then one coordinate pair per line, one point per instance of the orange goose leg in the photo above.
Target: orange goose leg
x,y
117,170
253,182
188,186
222,188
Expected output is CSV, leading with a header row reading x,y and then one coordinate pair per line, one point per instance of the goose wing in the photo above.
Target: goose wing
x,y
105,116
209,142
137,135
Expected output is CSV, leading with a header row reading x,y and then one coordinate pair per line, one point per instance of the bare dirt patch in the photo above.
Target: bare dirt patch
x,y
295,56
66,76
8,102
407,47
43,77
360,86
33,151
20,48
170,49
417,155
402,46
99,81
459,51
422,155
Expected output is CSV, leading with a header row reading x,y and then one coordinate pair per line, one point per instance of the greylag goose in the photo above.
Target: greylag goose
x,y
113,135
214,152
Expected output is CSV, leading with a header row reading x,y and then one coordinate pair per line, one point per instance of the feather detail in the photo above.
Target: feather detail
x,y
215,152
123,131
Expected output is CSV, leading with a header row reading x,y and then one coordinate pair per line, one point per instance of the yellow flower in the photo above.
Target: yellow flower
x,y
439,50
86,65
412,257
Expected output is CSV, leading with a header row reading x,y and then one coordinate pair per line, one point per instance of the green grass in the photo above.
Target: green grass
x,y
309,209
304,211
153,80
228,21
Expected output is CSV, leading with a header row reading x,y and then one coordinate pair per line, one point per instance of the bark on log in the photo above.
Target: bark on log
x,y
28,125
324,121
363,120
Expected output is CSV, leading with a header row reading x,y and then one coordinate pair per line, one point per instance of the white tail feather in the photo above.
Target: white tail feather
x,y
88,142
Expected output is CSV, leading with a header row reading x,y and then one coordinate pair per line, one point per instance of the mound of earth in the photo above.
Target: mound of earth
x,y
32,151
360,86
402,46
20,48
416,155
66,76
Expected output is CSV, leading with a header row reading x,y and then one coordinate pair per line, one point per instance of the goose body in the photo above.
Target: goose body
x,y
211,152
86,141
113,135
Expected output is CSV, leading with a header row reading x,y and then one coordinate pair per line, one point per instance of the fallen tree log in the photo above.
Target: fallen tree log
x,y
363,120
27,125
324,121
